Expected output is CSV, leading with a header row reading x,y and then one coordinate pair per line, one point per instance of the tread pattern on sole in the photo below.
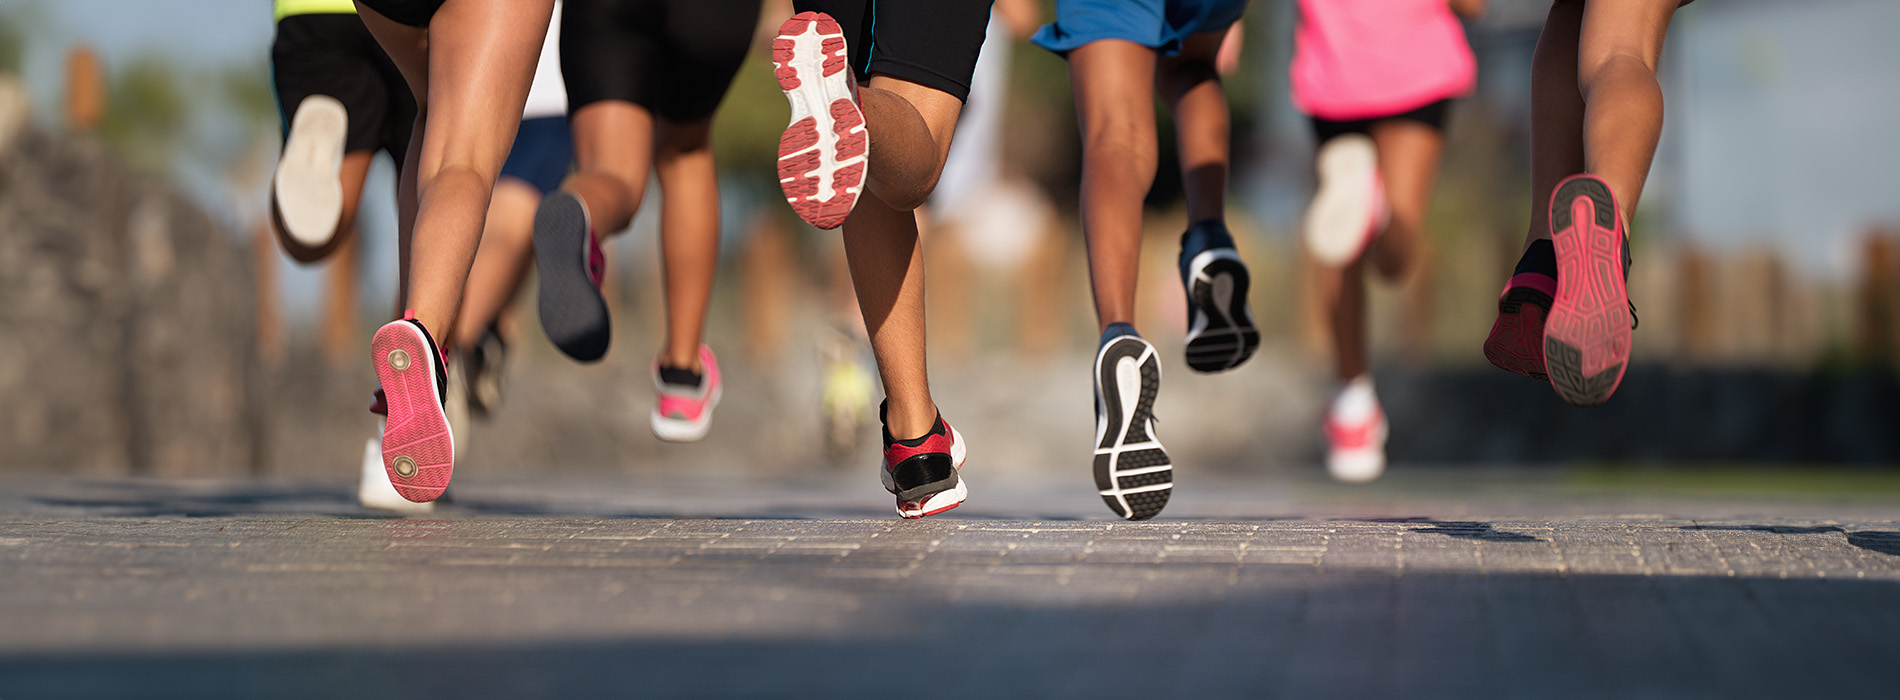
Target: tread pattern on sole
x,y
1132,470
1588,332
822,154
1221,330
1516,343
573,312
416,432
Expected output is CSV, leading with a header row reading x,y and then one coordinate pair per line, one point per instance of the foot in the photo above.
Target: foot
x,y
374,489
1355,433
1132,470
822,156
568,257
925,473
485,360
418,444
1348,209
307,195
1221,333
1587,336
1516,343
686,399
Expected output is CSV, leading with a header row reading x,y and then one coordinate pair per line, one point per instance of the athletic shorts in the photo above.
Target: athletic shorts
x,y
1432,115
676,58
542,154
933,43
415,13
1157,24
333,54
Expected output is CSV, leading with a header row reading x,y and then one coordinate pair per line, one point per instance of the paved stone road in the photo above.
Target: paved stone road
x,y
1461,587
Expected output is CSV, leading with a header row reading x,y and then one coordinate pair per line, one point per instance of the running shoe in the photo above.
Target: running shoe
x,y
1221,333
485,362
1348,209
1355,434
374,489
686,399
1587,336
305,189
568,257
1132,470
418,443
822,156
925,473
1516,343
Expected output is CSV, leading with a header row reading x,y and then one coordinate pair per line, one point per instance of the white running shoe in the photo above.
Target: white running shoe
x,y
1132,470
305,190
1348,210
1355,433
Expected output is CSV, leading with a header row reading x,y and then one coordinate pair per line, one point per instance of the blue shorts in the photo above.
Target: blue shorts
x,y
542,154
1157,24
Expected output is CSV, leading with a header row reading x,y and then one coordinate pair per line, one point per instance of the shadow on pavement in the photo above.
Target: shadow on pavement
x,y
1465,529
1884,542
1289,632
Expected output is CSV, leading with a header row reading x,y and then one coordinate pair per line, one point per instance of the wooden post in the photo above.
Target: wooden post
x,y
85,90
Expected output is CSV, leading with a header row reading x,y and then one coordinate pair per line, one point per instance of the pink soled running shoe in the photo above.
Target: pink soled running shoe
x,y
683,412
418,444
1587,336
1516,343
822,156
925,473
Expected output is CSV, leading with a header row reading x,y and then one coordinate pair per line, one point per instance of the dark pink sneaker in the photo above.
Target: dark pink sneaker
x,y
822,155
684,407
1587,335
418,445
1516,343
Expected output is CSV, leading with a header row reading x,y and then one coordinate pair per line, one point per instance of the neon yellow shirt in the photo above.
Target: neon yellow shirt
x,y
286,8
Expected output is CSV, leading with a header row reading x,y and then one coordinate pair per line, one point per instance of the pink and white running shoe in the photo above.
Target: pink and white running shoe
x,y
822,156
1587,335
1349,208
1355,433
418,444
684,409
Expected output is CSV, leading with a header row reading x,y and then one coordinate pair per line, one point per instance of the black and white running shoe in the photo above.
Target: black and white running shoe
x,y
1221,333
1132,471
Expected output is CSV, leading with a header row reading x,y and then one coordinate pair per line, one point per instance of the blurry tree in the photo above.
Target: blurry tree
x,y
147,113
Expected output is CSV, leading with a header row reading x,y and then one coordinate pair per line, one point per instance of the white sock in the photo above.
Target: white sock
x,y
1356,400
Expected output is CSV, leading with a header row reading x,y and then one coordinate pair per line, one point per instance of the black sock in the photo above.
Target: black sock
x,y
679,377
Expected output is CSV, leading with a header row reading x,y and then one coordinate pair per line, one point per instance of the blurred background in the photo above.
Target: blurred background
x,y
149,324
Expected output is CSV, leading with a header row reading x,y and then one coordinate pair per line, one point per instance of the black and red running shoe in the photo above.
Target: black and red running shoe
x,y
925,472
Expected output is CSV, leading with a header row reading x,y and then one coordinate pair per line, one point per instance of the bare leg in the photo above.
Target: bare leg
x,y
1408,165
613,152
1191,88
881,239
1115,104
470,86
1342,297
501,262
689,235
1556,112
1620,45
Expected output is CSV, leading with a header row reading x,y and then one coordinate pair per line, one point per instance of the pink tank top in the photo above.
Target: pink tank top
x,y
1364,59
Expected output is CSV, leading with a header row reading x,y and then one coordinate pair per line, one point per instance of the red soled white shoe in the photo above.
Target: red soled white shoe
x,y
1349,208
1355,433
822,156
418,444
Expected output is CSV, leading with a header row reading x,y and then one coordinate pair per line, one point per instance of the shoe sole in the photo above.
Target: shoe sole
x,y
374,489
418,442
1587,336
1339,223
305,188
823,152
1516,343
573,312
1221,334
951,496
1132,470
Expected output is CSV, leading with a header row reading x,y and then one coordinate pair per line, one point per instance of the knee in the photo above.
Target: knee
x,y
1119,137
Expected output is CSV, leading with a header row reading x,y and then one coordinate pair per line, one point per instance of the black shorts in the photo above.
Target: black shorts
x,y
415,13
1432,115
333,54
676,58
933,43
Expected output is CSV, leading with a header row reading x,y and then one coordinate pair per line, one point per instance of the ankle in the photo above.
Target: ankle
x,y
907,422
